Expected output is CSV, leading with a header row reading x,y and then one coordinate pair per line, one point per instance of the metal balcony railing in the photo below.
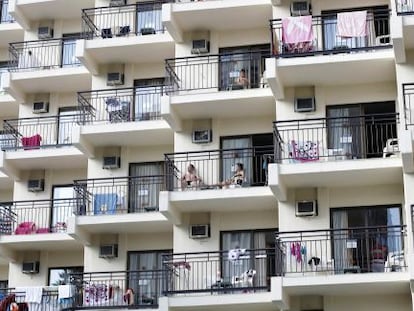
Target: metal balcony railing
x,y
323,36
233,271
35,217
118,289
5,17
221,72
36,133
119,195
216,168
404,7
121,105
339,251
408,94
336,138
123,21
43,54
49,301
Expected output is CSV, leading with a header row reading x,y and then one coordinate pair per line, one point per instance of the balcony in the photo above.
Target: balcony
x,y
407,146
49,301
132,34
120,204
29,11
9,30
337,151
37,224
46,66
9,106
126,289
187,16
363,59
36,143
128,116
215,184
347,261
235,278
224,93
403,29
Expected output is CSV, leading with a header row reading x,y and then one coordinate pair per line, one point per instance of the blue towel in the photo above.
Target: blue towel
x,y
105,203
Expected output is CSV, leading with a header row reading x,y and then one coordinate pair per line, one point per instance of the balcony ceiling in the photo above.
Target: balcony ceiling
x,y
409,32
338,69
6,183
222,15
49,80
8,107
226,104
53,9
10,32
134,49
46,241
142,133
342,173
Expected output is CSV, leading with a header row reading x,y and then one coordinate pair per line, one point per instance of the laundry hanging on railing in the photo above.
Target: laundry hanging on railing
x,y
298,251
352,24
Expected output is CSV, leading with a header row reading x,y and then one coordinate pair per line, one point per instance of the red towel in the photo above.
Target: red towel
x,y
32,142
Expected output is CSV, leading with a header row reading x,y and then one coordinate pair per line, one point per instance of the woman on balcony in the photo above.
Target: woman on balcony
x,y
190,178
237,179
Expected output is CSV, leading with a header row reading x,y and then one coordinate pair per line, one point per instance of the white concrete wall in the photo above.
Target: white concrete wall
x,y
47,259
4,272
368,302
126,242
221,221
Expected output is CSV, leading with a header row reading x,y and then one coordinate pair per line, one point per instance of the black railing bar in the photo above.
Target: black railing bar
x,y
209,253
118,90
256,52
377,13
84,181
35,201
118,271
362,117
342,229
213,151
121,6
43,118
25,43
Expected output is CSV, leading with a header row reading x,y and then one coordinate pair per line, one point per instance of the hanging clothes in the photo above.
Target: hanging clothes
x,y
352,24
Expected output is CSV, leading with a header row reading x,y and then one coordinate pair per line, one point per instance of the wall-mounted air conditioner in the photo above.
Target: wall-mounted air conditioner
x,y
305,104
199,231
30,267
40,107
202,136
36,185
111,162
306,208
115,78
108,251
45,32
299,8
200,46
117,2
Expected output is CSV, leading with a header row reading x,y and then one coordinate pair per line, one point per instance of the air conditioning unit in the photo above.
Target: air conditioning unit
x,y
117,2
40,107
30,267
306,208
306,104
36,185
45,32
202,136
200,46
115,78
108,251
199,231
299,8
111,162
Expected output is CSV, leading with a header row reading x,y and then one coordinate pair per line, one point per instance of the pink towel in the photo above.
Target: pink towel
x,y
297,29
352,24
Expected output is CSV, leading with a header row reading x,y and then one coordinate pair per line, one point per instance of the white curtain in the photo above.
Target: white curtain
x,y
232,157
341,258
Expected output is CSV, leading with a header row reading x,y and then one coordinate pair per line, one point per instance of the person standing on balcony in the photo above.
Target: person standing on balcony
x,y
243,80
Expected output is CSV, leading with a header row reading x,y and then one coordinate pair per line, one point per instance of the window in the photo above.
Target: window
x,y
368,231
61,276
68,50
145,276
149,20
144,193
247,59
148,94
4,12
259,246
63,205
4,284
254,152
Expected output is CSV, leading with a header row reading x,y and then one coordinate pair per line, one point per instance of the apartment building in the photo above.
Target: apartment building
x,y
210,154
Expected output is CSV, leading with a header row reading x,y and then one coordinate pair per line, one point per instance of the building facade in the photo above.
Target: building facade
x,y
206,154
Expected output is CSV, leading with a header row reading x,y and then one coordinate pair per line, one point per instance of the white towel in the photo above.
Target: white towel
x,y
65,291
352,24
32,294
